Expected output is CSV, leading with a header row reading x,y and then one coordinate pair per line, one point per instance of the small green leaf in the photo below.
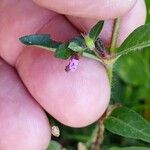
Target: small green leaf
x,y
63,51
40,40
128,123
129,148
95,31
137,40
77,44
54,146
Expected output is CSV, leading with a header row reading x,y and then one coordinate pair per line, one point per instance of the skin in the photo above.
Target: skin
x,y
75,99
23,122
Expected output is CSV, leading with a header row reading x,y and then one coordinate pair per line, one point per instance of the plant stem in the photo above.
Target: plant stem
x,y
115,35
99,135
110,73
88,55
113,46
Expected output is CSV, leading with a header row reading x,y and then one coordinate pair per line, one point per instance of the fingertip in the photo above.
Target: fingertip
x,y
68,97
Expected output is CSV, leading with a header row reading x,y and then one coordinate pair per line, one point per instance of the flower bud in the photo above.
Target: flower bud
x,y
89,42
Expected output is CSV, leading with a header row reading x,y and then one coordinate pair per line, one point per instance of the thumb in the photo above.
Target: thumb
x,y
98,9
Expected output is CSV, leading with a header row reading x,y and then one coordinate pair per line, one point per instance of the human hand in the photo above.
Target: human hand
x,y
75,99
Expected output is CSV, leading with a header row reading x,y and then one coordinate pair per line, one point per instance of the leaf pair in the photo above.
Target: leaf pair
x,y
137,40
63,50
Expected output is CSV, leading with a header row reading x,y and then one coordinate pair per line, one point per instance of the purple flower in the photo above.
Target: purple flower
x,y
73,63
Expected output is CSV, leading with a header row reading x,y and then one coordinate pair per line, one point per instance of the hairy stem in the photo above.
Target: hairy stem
x,y
88,55
113,46
115,35
110,73
99,135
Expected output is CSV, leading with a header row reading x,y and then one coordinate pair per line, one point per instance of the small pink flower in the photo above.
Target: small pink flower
x,y
73,63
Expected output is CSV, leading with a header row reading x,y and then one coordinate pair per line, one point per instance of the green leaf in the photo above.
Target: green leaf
x,y
142,107
128,123
137,40
132,69
129,148
144,92
63,51
54,146
40,40
77,44
95,31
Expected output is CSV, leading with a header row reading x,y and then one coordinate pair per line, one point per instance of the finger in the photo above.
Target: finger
x,y
60,29
19,18
129,22
135,18
100,9
68,97
22,122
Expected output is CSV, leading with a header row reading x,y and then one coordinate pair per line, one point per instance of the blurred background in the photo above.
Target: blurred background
x,y
131,88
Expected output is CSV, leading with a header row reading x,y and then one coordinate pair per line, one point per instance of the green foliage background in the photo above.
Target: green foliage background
x,y
131,88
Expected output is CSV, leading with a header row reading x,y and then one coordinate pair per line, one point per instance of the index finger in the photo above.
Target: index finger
x,y
97,9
